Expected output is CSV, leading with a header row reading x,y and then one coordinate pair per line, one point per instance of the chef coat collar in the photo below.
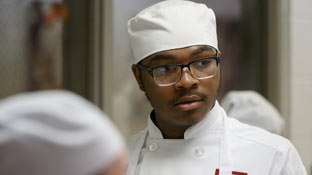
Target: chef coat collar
x,y
208,124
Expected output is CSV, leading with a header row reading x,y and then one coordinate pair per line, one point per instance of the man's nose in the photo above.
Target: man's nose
x,y
187,80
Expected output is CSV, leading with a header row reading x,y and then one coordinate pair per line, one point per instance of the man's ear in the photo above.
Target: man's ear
x,y
137,74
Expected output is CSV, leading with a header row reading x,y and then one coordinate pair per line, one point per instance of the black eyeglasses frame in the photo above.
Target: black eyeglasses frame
x,y
150,70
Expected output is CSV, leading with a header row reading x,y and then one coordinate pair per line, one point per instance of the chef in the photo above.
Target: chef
x,y
56,132
252,108
177,66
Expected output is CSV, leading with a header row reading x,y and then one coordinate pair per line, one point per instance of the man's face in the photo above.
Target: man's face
x,y
187,101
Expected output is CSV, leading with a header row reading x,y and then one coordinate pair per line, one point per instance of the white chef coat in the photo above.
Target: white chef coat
x,y
217,145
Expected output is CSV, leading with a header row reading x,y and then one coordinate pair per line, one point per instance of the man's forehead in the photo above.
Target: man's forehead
x,y
191,51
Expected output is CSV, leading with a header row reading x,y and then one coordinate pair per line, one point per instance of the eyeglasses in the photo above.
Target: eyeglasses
x,y
169,74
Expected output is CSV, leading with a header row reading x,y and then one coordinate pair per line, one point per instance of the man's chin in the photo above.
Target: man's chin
x,y
190,118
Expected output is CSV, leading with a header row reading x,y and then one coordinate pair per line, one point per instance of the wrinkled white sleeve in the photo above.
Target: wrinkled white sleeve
x,y
288,162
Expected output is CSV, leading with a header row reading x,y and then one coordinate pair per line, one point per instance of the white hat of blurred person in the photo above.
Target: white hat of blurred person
x,y
251,108
171,24
55,133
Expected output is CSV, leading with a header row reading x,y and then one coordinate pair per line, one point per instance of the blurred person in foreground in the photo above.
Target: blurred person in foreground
x,y
177,66
252,108
56,132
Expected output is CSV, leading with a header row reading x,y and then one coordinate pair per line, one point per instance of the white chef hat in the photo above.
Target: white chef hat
x,y
55,133
251,108
170,25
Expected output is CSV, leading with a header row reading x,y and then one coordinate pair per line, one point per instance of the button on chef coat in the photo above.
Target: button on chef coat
x,y
215,145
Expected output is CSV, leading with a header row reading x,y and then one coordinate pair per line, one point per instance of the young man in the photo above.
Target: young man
x,y
56,132
178,67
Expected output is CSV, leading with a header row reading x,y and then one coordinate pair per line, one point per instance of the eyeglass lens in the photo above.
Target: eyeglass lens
x,y
170,74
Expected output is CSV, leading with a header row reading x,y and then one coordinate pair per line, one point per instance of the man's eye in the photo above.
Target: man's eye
x,y
166,69
203,63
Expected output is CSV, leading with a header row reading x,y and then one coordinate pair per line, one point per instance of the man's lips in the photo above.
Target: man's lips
x,y
187,103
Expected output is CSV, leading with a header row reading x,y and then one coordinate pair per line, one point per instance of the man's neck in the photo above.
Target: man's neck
x,y
168,130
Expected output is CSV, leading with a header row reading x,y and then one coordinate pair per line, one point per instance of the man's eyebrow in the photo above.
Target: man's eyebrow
x,y
203,49
161,57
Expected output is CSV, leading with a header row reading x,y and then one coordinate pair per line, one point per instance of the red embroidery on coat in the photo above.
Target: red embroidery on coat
x,y
233,173
238,173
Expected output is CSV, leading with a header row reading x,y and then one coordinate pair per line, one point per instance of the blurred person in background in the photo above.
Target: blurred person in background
x,y
178,68
56,132
252,108
45,38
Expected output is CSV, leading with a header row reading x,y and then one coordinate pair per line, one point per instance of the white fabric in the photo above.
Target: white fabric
x,y
247,149
251,108
55,133
170,25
